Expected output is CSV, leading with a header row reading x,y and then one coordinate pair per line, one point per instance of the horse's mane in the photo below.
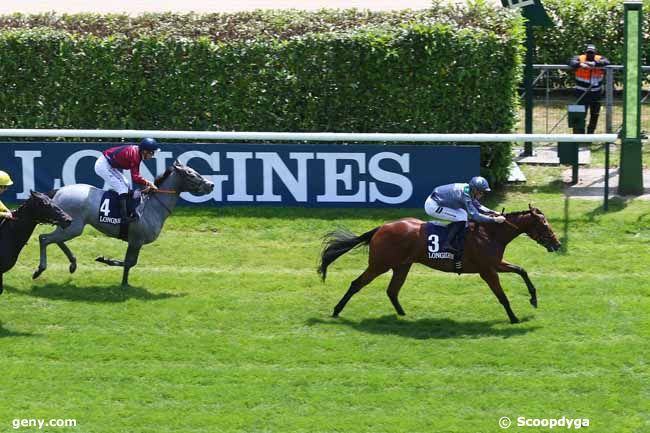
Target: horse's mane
x,y
517,213
7,224
22,206
160,179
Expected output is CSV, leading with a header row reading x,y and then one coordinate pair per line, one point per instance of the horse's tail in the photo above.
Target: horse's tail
x,y
338,242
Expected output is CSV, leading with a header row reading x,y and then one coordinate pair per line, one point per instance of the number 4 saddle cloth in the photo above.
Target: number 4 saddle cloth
x,y
437,237
109,207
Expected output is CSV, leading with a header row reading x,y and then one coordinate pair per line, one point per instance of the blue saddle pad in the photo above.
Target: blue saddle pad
x,y
436,238
109,208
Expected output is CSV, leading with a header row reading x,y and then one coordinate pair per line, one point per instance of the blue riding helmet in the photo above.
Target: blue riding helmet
x,y
149,144
479,183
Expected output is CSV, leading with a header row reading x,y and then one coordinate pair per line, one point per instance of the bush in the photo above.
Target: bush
x,y
438,75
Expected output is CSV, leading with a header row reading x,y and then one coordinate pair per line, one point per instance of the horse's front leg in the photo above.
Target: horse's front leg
x,y
59,236
131,259
507,267
1,284
492,278
42,264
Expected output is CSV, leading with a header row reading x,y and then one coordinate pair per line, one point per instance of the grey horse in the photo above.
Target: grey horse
x,y
82,203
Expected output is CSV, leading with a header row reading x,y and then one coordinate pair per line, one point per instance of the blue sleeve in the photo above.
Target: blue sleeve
x,y
574,62
482,208
475,214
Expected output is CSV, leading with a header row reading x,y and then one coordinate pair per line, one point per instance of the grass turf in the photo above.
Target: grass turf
x,y
227,329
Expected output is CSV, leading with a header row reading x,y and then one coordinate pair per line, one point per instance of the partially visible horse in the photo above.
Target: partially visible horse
x,y
14,233
397,245
83,203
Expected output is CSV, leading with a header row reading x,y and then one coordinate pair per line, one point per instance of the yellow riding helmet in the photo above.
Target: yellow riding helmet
x,y
5,179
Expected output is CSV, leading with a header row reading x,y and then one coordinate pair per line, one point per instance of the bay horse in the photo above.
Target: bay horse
x,y
14,233
83,203
399,244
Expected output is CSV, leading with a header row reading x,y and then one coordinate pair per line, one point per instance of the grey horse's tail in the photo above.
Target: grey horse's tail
x,y
339,242
51,193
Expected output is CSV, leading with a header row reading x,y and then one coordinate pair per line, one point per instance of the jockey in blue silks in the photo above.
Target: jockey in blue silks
x,y
458,202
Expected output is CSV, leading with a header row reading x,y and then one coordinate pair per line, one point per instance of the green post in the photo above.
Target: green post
x,y
528,86
535,15
631,170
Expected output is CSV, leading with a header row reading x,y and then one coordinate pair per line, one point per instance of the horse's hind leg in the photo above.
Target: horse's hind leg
x,y
71,258
58,236
131,259
1,284
396,282
356,285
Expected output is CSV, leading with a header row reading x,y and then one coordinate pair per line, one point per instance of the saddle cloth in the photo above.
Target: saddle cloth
x,y
436,237
109,207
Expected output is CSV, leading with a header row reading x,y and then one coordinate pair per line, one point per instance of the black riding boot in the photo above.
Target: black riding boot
x,y
453,230
125,218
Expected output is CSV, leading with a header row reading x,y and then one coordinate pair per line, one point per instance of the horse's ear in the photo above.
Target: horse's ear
x,y
177,164
534,209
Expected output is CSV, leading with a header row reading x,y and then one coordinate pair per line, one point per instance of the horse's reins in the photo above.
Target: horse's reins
x,y
163,191
513,225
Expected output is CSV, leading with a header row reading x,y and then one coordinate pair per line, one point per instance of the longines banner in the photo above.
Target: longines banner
x,y
317,175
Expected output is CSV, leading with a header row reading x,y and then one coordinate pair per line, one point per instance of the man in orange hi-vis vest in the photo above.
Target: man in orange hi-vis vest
x,y
589,83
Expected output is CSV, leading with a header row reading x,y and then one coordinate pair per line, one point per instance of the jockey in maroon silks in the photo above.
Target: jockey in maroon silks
x,y
128,157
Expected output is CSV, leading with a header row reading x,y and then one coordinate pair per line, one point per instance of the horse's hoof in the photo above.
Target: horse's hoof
x,y
335,314
37,272
514,320
1,290
73,267
533,302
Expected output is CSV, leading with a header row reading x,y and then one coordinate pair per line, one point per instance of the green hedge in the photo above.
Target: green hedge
x,y
578,22
417,77
254,25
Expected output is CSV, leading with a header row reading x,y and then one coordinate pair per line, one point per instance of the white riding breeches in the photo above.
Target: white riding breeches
x,y
114,177
432,208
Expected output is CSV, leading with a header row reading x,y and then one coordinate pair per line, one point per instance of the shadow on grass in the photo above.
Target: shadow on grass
x,y
70,292
8,333
616,204
424,329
